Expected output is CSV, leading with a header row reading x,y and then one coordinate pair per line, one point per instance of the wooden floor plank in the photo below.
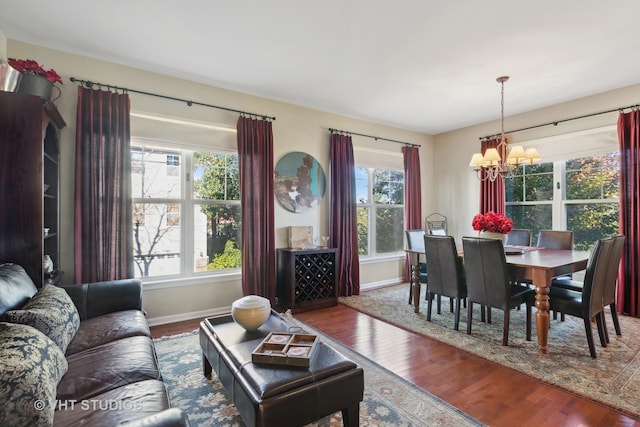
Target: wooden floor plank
x,y
493,394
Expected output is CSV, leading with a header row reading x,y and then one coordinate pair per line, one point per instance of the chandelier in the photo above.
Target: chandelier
x,y
495,162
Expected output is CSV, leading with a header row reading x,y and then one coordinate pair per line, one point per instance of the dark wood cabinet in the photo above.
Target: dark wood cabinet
x,y
306,278
29,178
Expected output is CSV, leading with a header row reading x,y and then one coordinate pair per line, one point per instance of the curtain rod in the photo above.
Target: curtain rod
x,y
374,137
620,109
90,84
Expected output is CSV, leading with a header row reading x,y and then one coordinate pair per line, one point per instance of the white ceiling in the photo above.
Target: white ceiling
x,y
423,65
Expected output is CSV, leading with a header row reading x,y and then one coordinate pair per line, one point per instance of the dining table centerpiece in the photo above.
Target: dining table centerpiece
x,y
36,80
492,225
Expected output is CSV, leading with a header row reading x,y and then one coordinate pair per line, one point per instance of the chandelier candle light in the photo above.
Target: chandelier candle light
x,y
495,161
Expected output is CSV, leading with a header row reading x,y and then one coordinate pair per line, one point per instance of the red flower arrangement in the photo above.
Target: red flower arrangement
x,y
32,67
492,222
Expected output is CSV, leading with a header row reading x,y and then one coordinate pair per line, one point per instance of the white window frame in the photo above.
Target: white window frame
x,y
187,205
372,207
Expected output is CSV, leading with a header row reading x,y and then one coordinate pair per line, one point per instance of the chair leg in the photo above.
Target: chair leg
x,y
482,313
469,316
528,322
604,329
451,304
488,314
410,292
602,333
429,302
456,322
614,315
505,327
587,328
439,304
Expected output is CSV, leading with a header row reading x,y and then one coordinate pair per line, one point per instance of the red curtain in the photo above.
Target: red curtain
x,y
255,152
628,297
412,194
343,227
103,241
492,192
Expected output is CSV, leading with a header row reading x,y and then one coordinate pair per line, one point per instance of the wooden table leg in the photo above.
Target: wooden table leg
x,y
415,279
542,317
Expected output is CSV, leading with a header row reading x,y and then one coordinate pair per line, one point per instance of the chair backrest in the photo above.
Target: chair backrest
x,y
612,270
595,277
415,240
438,232
519,237
446,273
485,267
555,239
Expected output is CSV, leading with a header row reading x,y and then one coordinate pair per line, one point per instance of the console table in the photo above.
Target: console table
x,y
273,395
307,278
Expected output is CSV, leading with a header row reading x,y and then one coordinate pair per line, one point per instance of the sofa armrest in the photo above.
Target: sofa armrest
x,y
173,417
99,298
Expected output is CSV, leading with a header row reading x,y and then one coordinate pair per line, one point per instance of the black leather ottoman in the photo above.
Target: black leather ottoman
x,y
270,395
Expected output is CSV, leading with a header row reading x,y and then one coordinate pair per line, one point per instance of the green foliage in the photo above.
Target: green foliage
x,y
363,231
389,229
590,180
230,258
388,187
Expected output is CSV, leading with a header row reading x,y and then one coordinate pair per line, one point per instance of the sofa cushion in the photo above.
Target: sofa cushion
x,y
52,312
119,406
16,287
109,327
109,366
31,366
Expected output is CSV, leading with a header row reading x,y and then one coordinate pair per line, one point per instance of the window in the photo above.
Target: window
x,y
584,197
380,210
186,211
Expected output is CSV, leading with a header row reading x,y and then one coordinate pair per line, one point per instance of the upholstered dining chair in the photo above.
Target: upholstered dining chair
x,y
488,283
415,242
438,232
610,287
446,272
587,303
555,239
519,237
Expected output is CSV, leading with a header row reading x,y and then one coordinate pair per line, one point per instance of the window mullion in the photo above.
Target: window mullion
x,y
559,211
187,216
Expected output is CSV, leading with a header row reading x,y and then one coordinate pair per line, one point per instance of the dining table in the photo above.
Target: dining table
x,y
539,265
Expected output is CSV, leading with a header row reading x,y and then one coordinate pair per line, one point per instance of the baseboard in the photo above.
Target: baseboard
x,y
163,320
381,284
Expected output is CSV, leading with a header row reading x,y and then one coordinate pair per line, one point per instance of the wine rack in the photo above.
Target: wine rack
x,y
307,278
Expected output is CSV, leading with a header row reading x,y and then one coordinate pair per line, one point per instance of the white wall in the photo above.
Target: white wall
x,y
295,129
3,46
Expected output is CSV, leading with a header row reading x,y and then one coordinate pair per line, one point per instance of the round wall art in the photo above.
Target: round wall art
x,y
299,182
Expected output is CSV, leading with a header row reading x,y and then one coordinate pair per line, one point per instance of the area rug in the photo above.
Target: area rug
x,y
613,379
388,399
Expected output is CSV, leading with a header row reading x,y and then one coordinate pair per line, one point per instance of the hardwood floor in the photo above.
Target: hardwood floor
x,y
493,394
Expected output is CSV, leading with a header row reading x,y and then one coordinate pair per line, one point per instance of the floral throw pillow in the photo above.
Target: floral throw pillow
x,y
31,366
52,312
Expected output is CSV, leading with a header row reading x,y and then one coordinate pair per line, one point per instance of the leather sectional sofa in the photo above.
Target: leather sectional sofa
x,y
78,355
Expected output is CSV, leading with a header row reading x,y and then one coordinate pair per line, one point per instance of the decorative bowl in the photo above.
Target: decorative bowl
x,y
251,311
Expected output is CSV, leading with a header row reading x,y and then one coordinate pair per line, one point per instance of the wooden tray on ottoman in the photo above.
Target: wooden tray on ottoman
x,y
283,348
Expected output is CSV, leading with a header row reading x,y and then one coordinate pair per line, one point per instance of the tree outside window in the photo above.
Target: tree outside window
x,y
178,232
586,197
